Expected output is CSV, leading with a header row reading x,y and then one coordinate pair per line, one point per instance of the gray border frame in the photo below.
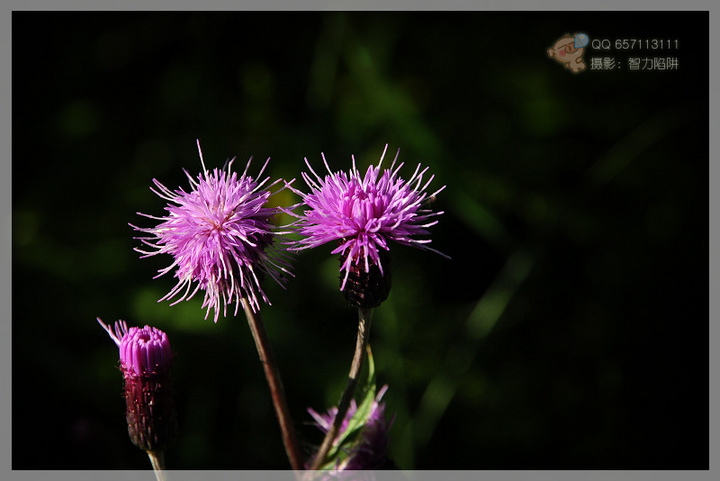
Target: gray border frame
x,y
6,8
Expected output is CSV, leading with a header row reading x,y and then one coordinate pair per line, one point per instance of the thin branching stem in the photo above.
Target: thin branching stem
x,y
277,392
364,322
157,458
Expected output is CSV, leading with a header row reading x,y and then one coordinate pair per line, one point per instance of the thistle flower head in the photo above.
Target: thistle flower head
x,y
219,234
143,351
145,360
363,214
370,449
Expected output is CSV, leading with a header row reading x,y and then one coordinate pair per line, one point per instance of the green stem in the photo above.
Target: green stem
x,y
157,458
277,392
364,322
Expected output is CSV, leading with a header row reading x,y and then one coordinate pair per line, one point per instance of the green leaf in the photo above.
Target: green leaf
x,y
356,424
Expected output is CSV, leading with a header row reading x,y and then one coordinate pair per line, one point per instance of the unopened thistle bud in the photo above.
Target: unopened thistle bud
x,y
145,360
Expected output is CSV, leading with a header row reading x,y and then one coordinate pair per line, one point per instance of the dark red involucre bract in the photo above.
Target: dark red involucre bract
x,y
220,235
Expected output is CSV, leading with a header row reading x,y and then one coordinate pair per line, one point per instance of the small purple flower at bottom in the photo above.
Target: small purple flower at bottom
x,y
219,235
369,451
145,361
362,215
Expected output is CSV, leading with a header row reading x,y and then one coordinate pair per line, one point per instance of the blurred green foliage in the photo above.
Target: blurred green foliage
x,y
569,330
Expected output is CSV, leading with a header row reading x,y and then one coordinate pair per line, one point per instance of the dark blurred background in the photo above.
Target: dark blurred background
x,y
569,330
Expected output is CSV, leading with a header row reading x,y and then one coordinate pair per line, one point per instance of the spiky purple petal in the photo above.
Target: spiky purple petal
x,y
363,213
370,450
219,234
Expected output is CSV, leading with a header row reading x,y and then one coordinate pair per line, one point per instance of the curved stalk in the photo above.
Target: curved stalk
x,y
364,322
157,458
277,391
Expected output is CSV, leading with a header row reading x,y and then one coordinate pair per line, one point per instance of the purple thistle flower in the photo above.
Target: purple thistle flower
x,y
363,214
219,234
369,451
145,360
